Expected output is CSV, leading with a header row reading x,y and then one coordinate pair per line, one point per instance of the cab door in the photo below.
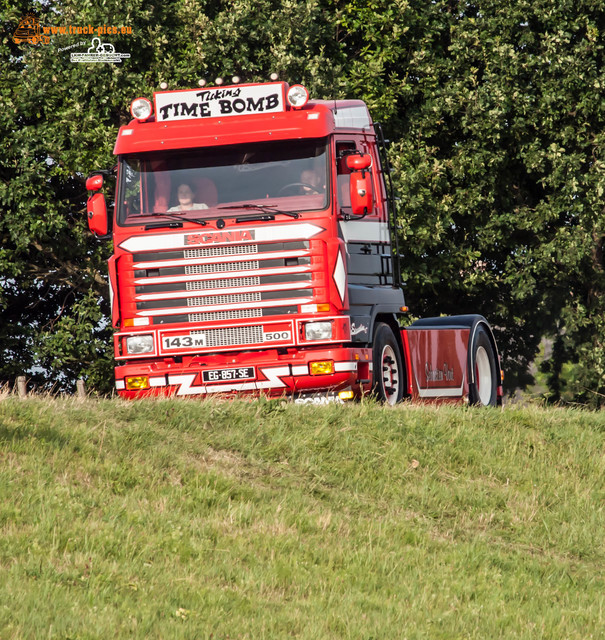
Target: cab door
x,y
366,236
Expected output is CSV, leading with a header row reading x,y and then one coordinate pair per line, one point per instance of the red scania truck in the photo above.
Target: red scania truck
x,y
255,252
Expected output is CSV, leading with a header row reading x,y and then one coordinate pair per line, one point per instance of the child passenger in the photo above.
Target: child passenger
x,y
185,198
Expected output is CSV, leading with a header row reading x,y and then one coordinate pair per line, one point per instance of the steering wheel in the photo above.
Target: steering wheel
x,y
301,185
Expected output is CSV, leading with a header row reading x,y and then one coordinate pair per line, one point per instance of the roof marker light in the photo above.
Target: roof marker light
x,y
141,109
297,96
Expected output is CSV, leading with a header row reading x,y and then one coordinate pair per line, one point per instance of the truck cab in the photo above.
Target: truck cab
x,y
252,248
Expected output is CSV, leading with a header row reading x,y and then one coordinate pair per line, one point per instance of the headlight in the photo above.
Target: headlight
x,y
297,96
318,331
141,108
139,344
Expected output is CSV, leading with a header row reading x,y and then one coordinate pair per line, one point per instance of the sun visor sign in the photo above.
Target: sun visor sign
x,y
218,102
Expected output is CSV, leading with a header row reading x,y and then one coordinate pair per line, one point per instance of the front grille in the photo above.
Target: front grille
x,y
221,267
218,316
232,336
233,298
257,280
211,252
224,283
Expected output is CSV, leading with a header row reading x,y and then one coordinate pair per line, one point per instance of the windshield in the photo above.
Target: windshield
x,y
210,182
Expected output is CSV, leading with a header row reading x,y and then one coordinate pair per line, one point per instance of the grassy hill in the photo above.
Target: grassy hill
x,y
182,519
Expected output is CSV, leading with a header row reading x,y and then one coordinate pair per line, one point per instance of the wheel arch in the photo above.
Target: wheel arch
x,y
482,322
391,320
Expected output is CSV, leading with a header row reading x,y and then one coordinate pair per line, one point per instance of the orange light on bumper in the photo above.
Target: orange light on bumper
x,y
135,383
321,367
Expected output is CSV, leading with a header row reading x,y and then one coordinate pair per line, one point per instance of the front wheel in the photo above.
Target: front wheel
x,y
483,391
388,378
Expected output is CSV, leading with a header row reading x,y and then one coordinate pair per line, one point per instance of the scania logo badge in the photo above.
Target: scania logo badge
x,y
219,237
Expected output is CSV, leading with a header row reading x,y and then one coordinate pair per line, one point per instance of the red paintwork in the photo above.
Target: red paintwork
x,y
362,196
184,379
98,222
438,362
183,134
94,183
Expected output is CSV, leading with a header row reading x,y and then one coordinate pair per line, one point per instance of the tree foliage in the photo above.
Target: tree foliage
x,y
495,114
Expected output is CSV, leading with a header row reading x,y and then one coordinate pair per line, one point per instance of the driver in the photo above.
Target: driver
x,y
311,182
185,197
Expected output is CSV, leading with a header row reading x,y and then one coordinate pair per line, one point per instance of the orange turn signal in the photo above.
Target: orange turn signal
x,y
136,322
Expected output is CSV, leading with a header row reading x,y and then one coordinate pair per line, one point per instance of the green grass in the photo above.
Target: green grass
x,y
182,519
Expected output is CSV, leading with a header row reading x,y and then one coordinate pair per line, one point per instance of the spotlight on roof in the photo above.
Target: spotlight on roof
x,y
219,81
274,76
202,82
141,109
163,86
236,79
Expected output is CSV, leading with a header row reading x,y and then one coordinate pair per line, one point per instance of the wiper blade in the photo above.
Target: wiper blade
x,y
259,218
180,218
163,225
265,208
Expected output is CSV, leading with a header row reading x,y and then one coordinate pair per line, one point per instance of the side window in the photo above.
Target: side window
x,y
132,188
342,176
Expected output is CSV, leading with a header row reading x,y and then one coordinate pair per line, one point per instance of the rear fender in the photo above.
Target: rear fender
x,y
440,355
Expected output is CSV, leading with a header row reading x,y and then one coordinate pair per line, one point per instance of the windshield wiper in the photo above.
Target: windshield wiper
x,y
267,209
163,225
180,218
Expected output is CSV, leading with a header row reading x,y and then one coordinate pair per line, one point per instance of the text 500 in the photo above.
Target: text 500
x,y
274,336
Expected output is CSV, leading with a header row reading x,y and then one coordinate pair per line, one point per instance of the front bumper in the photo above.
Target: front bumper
x,y
270,372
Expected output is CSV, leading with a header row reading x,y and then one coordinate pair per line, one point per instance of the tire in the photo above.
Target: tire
x,y
483,391
388,376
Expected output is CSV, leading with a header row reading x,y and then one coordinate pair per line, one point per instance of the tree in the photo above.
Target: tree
x,y
498,154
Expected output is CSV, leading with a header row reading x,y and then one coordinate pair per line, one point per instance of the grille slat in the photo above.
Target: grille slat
x,y
232,298
218,316
220,267
213,252
232,336
200,285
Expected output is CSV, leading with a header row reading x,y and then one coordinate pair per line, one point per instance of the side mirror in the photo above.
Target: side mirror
x,y
96,211
94,182
360,185
359,161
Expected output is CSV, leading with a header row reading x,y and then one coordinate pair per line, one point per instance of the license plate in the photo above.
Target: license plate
x,y
225,375
184,342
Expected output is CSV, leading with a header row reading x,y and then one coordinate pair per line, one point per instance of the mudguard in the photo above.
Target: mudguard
x,y
440,356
